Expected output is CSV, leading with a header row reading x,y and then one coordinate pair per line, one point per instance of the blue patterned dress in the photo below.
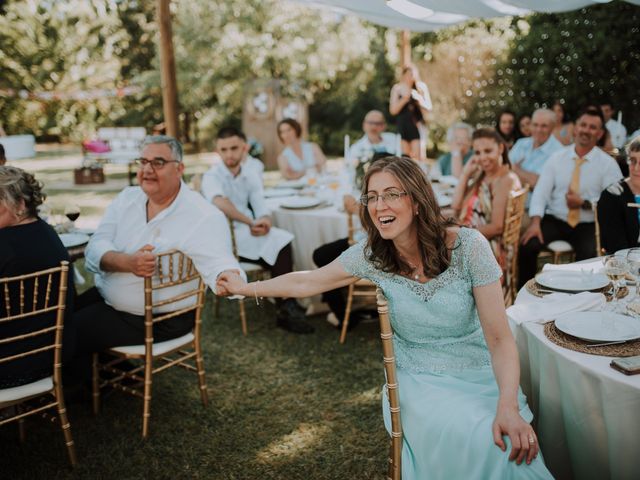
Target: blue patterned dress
x,y
448,392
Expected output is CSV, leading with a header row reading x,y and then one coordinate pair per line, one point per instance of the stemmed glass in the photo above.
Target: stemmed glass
x,y
615,269
633,261
72,212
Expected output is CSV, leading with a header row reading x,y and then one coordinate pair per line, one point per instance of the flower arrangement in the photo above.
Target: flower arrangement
x,y
361,169
256,149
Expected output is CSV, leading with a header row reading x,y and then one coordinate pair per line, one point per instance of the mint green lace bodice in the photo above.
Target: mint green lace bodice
x,y
436,325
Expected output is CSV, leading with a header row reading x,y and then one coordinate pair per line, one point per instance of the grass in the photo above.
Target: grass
x,y
282,406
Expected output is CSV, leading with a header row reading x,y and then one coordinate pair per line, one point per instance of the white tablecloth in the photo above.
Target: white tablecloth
x,y
587,414
19,146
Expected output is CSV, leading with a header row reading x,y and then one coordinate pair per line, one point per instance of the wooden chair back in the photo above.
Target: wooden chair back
x,y
39,293
599,250
511,240
388,356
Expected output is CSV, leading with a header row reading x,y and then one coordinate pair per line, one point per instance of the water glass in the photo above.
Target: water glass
x,y
615,269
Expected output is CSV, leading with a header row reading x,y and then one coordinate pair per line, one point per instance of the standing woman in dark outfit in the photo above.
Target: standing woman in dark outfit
x,y
620,224
28,244
409,98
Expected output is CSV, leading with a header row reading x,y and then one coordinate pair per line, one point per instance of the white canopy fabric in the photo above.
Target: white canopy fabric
x,y
442,13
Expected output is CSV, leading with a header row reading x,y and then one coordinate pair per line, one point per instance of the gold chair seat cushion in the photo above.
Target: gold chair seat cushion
x,y
159,348
26,391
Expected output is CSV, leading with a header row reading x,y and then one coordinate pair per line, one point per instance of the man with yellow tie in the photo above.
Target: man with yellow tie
x,y
560,206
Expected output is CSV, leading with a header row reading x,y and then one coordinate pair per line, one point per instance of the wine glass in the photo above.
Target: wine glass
x,y
615,269
72,212
633,261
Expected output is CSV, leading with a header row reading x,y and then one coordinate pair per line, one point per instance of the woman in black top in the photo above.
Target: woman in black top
x,y
619,224
27,245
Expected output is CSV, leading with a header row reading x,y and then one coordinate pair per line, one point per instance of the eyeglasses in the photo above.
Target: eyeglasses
x,y
156,163
372,122
389,198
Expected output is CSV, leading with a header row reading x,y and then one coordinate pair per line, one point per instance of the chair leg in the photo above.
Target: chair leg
x,y
65,425
243,317
202,383
216,307
347,314
95,384
146,410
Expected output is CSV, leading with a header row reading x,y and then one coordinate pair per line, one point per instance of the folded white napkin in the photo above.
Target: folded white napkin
x,y
552,306
594,266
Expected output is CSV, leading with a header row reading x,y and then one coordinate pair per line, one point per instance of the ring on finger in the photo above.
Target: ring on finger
x,y
532,439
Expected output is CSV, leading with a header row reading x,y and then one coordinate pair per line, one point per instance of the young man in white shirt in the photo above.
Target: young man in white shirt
x,y
159,215
561,203
237,191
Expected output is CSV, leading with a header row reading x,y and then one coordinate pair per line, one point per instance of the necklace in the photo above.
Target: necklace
x,y
415,272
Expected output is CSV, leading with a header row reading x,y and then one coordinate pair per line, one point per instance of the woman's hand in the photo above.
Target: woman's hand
x,y
230,283
524,443
470,168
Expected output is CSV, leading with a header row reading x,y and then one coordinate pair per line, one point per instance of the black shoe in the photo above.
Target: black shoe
x,y
294,326
292,310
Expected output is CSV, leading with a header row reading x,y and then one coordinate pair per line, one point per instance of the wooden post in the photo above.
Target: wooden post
x,y
168,69
405,48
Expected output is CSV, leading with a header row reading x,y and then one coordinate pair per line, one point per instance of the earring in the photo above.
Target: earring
x,y
415,213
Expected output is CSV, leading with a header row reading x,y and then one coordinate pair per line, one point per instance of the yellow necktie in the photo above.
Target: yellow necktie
x,y
574,213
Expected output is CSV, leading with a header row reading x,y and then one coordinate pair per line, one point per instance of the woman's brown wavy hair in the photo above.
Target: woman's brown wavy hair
x,y
431,224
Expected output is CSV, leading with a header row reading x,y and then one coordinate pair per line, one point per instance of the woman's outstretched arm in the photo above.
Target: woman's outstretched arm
x,y
294,284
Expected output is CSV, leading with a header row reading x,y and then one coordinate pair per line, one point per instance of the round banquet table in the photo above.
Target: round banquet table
x,y
587,414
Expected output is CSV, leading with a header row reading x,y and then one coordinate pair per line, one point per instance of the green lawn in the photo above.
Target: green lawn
x,y
282,406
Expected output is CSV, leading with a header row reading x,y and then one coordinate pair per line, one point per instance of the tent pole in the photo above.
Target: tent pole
x,y
168,69
405,48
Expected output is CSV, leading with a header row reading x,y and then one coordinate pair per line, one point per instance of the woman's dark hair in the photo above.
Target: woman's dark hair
x,y
512,135
430,223
495,135
519,132
293,124
18,186
565,115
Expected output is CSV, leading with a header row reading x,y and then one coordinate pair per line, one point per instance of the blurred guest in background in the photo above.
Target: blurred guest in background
x,y
561,202
506,127
459,140
524,126
616,129
298,156
375,139
563,129
619,224
27,245
409,102
3,158
480,199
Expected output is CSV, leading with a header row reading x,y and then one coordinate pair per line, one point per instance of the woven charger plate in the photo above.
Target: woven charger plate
x,y
628,349
537,290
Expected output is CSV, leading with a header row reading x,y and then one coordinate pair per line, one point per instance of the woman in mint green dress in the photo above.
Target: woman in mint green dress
x,y
463,414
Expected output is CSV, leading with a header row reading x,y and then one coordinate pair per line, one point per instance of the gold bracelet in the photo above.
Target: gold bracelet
x,y
255,292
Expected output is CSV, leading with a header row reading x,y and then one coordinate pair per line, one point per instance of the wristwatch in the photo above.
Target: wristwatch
x,y
586,205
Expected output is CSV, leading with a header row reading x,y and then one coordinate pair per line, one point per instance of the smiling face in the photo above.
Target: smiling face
x,y
488,154
161,182
541,127
588,131
394,219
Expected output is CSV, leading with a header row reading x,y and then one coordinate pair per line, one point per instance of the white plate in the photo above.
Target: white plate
x,y
86,231
292,184
300,202
443,200
279,192
599,326
572,281
449,180
73,239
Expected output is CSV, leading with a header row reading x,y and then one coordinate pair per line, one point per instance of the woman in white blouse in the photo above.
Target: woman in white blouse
x,y
298,156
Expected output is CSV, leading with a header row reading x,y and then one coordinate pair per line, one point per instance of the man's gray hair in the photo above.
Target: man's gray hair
x,y
633,145
459,126
548,112
175,145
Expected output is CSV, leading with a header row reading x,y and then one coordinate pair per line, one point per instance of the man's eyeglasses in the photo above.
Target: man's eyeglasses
x,y
156,163
389,198
372,122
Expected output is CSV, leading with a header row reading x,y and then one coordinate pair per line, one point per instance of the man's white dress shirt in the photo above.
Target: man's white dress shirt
x,y
618,132
597,173
189,224
245,190
254,164
364,147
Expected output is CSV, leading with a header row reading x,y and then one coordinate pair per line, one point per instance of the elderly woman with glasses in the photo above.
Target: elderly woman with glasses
x,y
620,224
457,362
27,245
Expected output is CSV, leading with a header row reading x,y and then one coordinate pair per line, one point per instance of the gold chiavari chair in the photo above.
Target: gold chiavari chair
x,y
253,271
175,271
37,294
361,289
511,241
386,334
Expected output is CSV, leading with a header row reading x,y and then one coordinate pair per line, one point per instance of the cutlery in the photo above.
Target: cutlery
x,y
605,344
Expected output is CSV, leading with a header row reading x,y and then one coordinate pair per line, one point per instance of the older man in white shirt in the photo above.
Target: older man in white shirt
x,y
159,215
561,204
375,139
237,190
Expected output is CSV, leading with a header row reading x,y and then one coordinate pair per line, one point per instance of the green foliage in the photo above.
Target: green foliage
x,y
581,57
